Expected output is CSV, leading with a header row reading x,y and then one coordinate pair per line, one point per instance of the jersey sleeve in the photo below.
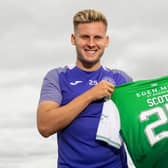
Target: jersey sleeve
x,y
50,90
121,77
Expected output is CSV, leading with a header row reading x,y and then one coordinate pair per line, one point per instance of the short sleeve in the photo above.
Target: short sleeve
x,y
121,77
50,90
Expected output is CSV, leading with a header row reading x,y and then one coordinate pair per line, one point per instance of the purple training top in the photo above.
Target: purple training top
x,y
77,144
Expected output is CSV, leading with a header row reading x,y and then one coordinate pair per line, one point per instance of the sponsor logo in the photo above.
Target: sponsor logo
x,y
109,79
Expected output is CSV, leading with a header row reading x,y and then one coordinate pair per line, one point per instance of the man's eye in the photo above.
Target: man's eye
x,y
98,37
84,37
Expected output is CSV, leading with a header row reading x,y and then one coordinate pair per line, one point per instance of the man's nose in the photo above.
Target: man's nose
x,y
91,42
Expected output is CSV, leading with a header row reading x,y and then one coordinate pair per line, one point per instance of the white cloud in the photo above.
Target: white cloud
x,y
22,148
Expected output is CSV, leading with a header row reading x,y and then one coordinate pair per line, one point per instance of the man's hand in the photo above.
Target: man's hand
x,y
103,89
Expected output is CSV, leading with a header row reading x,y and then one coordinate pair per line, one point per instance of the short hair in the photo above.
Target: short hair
x,y
89,16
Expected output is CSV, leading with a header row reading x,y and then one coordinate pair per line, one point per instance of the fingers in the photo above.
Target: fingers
x,y
109,90
107,87
103,89
108,83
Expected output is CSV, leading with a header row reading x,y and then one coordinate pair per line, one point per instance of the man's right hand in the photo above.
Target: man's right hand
x,y
103,89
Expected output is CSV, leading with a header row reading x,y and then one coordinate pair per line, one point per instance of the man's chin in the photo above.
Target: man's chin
x,y
90,62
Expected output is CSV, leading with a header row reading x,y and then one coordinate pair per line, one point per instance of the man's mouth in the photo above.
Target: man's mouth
x,y
90,51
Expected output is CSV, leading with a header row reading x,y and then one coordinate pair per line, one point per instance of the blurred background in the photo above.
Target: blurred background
x,y
35,37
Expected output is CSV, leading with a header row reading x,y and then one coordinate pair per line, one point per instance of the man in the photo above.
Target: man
x,y
71,99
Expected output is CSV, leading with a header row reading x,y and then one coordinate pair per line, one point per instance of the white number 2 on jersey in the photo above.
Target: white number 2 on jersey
x,y
149,129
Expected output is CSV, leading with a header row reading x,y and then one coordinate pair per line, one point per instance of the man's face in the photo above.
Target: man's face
x,y
90,40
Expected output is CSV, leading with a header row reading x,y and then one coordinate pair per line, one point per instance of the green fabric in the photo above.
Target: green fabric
x,y
143,108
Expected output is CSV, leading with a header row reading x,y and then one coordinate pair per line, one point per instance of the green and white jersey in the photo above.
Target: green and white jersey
x,y
143,110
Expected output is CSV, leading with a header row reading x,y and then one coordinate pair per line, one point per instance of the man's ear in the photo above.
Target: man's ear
x,y
107,41
72,39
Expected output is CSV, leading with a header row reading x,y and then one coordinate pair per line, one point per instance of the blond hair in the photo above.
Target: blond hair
x,y
89,16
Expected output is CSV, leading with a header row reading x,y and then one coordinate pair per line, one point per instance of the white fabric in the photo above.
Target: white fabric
x,y
109,125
